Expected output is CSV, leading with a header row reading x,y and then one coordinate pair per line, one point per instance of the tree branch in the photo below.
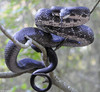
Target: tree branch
x,y
26,45
60,84
9,74
44,57
56,81
16,42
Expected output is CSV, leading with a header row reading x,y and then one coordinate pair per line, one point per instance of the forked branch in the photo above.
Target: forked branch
x,y
56,81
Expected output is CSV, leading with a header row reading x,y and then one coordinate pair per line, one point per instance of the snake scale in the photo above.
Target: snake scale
x,y
55,25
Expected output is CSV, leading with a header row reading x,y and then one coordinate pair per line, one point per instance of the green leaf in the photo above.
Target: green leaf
x,y
24,86
14,89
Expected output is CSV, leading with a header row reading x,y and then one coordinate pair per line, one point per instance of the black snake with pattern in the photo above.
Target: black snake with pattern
x,y
66,22
55,25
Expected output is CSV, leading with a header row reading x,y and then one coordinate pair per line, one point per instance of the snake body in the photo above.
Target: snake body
x,y
55,25
28,64
72,16
12,51
67,23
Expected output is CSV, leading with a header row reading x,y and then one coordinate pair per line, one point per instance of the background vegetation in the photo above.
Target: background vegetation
x,y
79,67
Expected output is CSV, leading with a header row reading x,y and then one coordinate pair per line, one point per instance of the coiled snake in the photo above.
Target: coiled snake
x,y
55,25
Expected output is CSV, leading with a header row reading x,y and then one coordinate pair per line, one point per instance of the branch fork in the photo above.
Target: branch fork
x,y
56,81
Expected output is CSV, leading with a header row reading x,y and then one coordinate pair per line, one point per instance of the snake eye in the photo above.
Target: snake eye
x,y
84,15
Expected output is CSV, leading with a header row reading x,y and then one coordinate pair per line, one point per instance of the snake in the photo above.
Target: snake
x,y
66,22
54,26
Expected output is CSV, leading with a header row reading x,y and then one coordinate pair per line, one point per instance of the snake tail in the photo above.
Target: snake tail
x,y
42,72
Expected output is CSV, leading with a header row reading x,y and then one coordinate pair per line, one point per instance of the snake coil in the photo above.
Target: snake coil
x,y
64,22
55,25
42,72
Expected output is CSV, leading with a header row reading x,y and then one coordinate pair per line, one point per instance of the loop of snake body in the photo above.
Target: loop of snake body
x,y
55,25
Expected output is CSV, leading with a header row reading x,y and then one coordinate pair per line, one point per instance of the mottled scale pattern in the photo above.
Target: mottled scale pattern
x,y
66,22
51,17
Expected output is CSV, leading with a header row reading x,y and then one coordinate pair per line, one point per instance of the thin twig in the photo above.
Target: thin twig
x,y
9,74
45,59
94,6
26,45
